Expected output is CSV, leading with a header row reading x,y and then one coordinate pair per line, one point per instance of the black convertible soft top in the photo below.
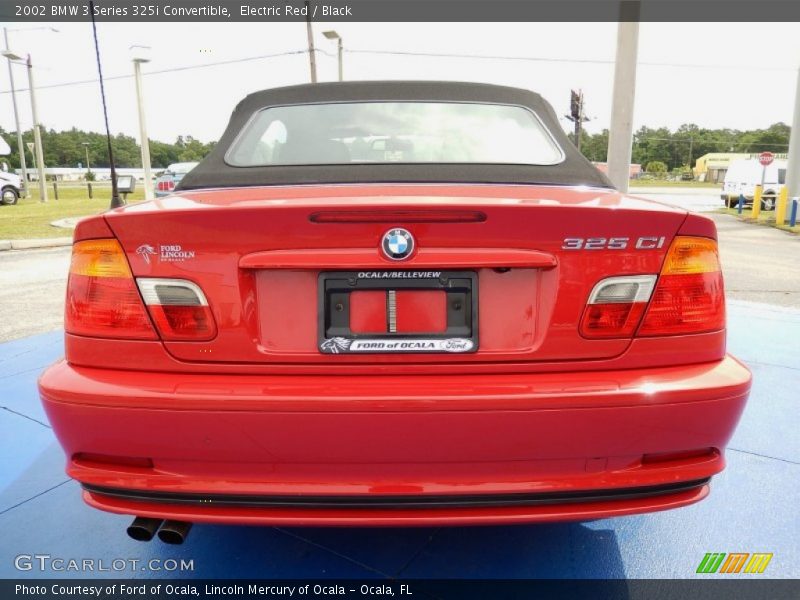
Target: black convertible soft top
x,y
213,171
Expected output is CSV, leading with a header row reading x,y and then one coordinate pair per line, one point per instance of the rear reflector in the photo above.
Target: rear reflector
x,y
179,309
690,296
102,299
616,306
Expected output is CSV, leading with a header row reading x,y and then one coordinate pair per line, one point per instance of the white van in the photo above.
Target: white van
x,y
744,175
9,186
9,182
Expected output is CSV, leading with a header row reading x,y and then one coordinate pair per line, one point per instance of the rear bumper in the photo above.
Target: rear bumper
x,y
389,450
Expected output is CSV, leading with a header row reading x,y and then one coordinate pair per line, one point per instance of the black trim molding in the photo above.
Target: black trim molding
x,y
398,502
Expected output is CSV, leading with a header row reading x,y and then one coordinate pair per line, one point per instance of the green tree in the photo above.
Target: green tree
x,y
190,149
595,147
66,149
656,167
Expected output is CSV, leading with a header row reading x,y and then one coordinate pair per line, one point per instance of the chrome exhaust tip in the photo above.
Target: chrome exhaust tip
x,y
143,528
174,532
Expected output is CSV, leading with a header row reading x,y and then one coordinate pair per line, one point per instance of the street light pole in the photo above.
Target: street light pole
x,y
20,147
332,35
341,71
37,134
140,56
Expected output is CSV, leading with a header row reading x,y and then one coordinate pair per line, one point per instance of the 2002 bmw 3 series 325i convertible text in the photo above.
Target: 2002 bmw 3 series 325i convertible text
x,y
393,303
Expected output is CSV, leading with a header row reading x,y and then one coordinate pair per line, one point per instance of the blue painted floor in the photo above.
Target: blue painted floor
x,y
753,506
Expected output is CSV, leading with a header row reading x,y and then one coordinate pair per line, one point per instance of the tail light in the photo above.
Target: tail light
x,y
179,309
689,297
102,299
165,185
616,306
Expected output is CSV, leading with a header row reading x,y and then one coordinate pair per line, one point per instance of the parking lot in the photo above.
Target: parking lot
x,y
41,511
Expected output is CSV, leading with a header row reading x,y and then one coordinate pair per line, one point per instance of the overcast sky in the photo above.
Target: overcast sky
x,y
740,76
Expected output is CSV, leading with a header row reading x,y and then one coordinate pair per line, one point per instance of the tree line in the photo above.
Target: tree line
x,y
676,149
682,147
67,149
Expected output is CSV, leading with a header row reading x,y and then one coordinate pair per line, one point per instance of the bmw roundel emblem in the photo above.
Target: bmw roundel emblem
x,y
398,244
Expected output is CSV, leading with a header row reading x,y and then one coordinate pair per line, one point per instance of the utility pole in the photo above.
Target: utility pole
x,y
88,166
793,163
37,134
576,114
312,59
20,147
621,130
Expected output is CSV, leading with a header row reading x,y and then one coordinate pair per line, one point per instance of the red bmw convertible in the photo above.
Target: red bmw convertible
x,y
393,303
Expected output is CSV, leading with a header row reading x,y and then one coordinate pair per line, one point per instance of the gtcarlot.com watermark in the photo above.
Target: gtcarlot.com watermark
x,y
54,564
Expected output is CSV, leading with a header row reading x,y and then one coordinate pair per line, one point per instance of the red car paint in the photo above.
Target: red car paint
x,y
539,415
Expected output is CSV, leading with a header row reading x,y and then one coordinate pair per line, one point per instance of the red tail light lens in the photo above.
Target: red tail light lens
x,y
616,306
690,296
102,299
165,185
611,320
179,309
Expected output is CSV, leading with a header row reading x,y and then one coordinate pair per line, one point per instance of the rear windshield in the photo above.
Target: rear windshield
x,y
393,132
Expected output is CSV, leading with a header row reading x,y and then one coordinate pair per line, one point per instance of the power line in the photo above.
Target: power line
x,y
590,61
170,70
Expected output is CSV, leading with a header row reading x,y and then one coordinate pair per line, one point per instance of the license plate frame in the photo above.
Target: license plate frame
x,y
333,308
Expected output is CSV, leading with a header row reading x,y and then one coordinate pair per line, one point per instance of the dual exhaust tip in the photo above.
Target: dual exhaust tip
x,y
143,529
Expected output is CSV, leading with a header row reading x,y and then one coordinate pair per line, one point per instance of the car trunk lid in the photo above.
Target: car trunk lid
x,y
525,258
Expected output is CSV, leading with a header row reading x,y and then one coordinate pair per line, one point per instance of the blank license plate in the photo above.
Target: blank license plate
x,y
398,311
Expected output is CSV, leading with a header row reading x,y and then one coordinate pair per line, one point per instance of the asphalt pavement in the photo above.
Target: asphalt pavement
x,y
32,288
694,199
761,264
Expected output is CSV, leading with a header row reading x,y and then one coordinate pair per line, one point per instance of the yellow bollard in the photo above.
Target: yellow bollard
x,y
780,207
756,202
